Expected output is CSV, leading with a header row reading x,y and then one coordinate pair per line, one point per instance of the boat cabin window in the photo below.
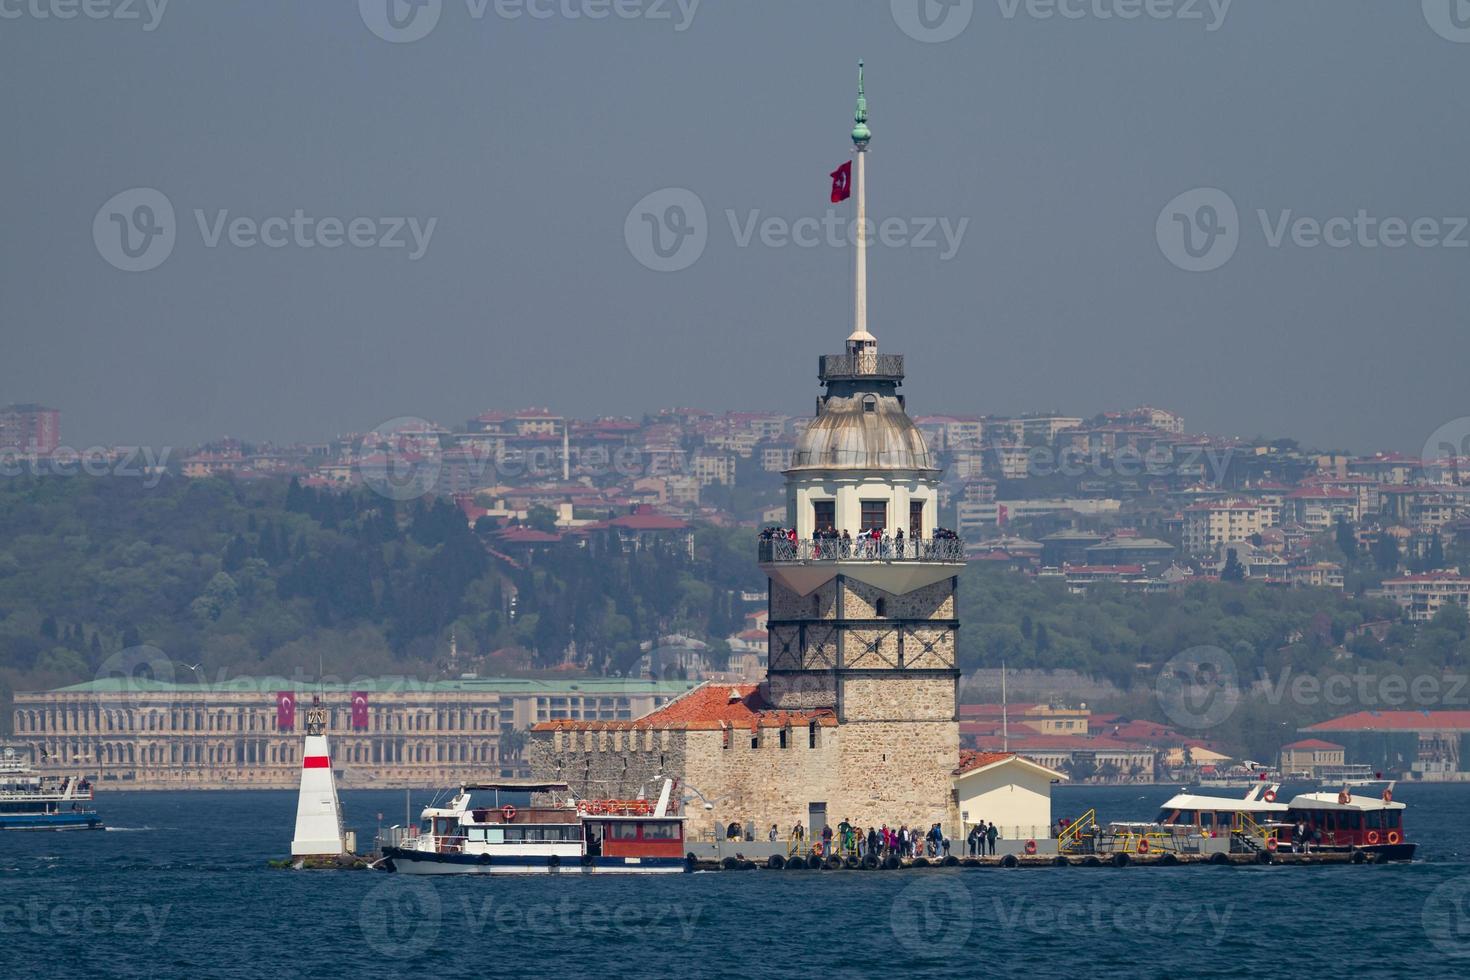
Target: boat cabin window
x,y
1374,819
624,830
1185,816
1394,817
661,830
538,833
1206,819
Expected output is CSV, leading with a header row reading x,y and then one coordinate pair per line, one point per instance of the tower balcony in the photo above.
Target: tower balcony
x,y
861,367
804,566
946,550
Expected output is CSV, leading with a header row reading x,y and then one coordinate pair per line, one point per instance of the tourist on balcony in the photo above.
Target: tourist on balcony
x,y
846,549
898,543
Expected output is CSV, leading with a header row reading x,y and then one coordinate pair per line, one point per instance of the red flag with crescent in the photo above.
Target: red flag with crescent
x,y
285,711
842,183
359,710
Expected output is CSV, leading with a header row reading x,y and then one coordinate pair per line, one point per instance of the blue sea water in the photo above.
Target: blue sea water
x,y
180,887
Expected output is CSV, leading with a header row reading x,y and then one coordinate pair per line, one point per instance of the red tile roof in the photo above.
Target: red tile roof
x,y
1313,743
974,760
708,707
1396,721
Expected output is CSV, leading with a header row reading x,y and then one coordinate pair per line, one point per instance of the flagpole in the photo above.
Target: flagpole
x,y
860,137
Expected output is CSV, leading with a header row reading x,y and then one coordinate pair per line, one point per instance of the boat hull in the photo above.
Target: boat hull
x,y
430,863
50,821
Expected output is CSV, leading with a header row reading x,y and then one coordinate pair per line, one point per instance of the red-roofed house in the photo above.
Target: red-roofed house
x,y
1010,791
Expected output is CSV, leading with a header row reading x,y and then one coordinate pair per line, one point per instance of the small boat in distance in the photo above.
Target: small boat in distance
x,y
30,800
1244,776
571,836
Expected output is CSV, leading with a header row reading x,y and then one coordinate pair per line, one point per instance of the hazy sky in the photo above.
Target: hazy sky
x,y
1052,135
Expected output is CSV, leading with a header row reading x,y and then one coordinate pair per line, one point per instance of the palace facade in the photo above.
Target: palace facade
x,y
140,734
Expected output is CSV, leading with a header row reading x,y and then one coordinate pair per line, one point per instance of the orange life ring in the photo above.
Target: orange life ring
x,y
508,812
817,850
1388,794
1271,844
1143,846
1393,837
1269,796
1344,797
1031,847
1373,837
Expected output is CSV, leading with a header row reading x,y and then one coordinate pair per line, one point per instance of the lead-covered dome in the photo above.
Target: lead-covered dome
x,y
862,431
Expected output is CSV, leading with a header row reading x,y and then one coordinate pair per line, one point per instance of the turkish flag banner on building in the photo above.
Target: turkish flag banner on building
x,y
359,710
285,711
842,183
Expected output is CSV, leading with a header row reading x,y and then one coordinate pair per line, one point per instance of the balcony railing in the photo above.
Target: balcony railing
x,y
842,367
949,550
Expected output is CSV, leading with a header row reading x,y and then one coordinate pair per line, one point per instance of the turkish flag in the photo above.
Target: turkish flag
x,y
842,183
359,710
285,711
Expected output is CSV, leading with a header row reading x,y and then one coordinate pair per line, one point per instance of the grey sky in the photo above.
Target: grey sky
x,y
529,140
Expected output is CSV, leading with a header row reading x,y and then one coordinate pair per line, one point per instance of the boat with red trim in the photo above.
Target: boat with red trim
x,y
571,836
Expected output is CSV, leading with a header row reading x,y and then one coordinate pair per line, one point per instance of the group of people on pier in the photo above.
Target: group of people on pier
x,y
848,839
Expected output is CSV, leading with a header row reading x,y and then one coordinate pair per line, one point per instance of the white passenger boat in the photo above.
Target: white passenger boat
x,y
571,836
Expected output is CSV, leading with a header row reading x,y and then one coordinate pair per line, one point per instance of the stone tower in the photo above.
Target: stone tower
x,y
867,627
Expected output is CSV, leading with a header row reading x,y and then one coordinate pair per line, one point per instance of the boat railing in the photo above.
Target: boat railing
x,y
1252,836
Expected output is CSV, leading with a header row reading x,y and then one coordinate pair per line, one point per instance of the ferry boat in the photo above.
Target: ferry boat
x,y
1195,823
572,836
1353,777
1342,821
32,801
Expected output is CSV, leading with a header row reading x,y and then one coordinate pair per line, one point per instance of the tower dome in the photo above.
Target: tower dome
x,y
862,430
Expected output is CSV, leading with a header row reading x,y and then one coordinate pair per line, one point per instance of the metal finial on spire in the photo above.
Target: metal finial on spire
x,y
860,132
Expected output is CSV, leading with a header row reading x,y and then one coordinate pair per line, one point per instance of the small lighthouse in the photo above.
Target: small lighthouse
x,y
318,811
